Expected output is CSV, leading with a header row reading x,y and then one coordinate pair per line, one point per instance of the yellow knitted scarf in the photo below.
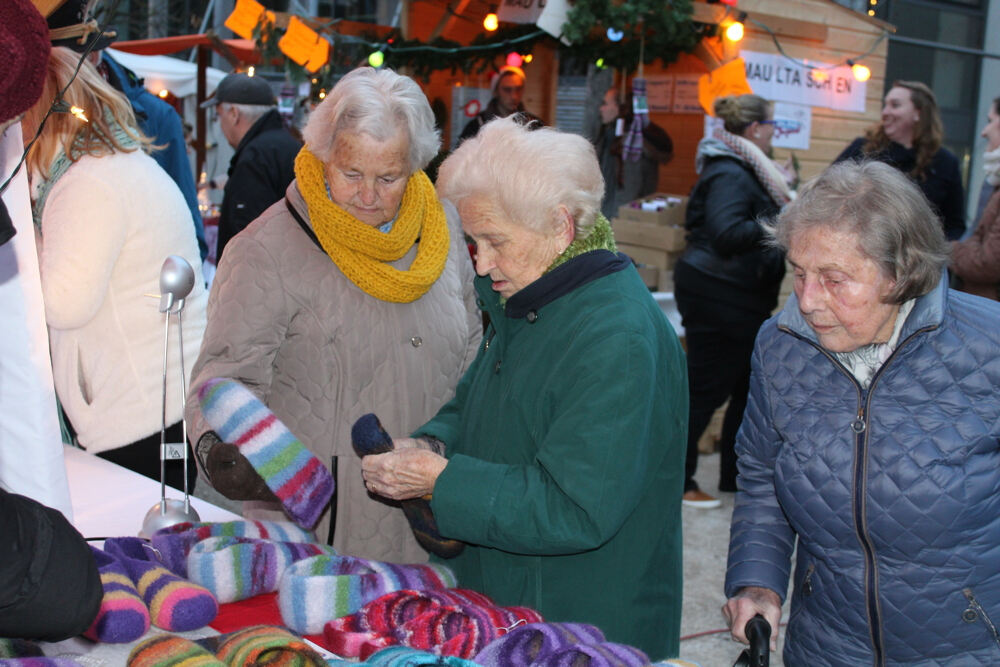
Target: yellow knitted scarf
x,y
362,252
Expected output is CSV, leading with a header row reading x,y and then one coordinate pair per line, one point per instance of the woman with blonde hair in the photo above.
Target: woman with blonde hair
x,y
727,280
107,216
909,137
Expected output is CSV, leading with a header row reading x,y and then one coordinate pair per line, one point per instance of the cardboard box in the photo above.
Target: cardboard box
x,y
663,237
658,209
650,276
651,257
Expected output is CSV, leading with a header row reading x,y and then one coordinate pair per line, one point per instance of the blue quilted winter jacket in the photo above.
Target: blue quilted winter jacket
x,y
893,492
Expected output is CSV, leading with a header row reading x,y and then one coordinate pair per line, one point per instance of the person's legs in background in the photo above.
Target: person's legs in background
x,y
143,457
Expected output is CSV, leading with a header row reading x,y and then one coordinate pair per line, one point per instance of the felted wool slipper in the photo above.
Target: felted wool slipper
x,y
171,651
263,645
174,603
237,568
369,437
123,616
319,589
525,644
300,480
172,544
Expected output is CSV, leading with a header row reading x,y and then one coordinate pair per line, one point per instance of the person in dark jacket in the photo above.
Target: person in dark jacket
x,y
871,444
508,90
50,588
264,162
726,282
909,138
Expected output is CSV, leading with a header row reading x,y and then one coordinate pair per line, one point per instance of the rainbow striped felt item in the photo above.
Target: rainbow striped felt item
x,y
320,589
123,616
263,645
237,568
174,603
300,480
174,543
171,651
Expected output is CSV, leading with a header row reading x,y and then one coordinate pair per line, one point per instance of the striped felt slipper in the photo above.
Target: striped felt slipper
x,y
171,651
123,616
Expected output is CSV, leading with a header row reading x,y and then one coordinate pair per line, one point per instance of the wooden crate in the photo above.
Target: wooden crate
x,y
663,237
669,209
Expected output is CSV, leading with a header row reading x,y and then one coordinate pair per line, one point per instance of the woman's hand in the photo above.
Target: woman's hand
x,y
410,472
746,604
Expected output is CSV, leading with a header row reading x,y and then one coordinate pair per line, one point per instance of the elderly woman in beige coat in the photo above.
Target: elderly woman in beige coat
x,y
352,294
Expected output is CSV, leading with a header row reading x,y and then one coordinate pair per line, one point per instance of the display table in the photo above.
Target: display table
x,y
111,501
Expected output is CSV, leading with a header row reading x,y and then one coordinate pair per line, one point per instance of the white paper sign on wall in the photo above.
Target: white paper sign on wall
x,y
780,79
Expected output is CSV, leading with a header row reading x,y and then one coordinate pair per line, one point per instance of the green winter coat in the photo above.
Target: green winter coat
x,y
566,445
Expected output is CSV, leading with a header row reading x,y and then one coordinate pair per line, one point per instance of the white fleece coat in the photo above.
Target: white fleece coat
x,y
107,226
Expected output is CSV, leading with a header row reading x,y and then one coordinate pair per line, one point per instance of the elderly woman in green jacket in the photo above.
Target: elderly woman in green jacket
x,y
559,462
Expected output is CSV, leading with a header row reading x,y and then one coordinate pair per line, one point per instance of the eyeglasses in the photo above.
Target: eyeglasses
x,y
767,122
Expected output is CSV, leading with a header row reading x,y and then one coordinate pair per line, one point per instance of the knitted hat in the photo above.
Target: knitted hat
x,y
292,472
369,437
24,47
319,589
237,568
173,543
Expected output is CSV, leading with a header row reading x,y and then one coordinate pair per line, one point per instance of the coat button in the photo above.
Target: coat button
x,y
532,317
416,341
969,615
496,366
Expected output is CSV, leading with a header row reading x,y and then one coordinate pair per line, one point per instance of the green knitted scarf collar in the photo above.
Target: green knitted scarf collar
x,y
600,238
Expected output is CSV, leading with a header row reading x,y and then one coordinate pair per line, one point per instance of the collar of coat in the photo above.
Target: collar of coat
x,y
269,121
562,280
927,313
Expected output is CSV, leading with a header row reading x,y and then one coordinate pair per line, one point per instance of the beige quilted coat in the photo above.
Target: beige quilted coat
x,y
284,321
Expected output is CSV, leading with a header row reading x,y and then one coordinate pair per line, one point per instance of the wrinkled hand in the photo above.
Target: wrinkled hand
x,y
410,472
746,604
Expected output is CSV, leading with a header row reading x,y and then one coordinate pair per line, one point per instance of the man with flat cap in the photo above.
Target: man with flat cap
x,y
264,162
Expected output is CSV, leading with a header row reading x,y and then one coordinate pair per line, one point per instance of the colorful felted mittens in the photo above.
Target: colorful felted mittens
x,y
300,480
174,603
455,622
320,589
368,437
256,645
237,568
123,616
558,645
174,543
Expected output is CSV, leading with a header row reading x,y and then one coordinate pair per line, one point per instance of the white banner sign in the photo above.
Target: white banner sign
x,y
792,125
779,79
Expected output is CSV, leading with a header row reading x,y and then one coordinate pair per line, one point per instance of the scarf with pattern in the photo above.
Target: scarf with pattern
x,y
362,252
763,166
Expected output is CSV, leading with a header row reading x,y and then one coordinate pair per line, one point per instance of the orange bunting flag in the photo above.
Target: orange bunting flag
x,y
729,79
245,17
304,46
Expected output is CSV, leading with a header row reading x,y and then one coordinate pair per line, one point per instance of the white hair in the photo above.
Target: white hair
x,y
250,112
528,174
378,103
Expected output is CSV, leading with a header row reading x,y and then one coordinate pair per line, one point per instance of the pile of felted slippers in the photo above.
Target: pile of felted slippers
x,y
237,560
455,622
139,590
257,645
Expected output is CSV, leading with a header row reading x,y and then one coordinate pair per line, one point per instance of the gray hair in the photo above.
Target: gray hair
x,y
378,103
528,174
888,214
250,112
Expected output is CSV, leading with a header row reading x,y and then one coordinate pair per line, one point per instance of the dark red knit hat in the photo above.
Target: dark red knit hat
x,y
24,51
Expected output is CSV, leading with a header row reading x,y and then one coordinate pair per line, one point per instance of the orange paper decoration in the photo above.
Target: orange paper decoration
x,y
303,45
245,17
729,79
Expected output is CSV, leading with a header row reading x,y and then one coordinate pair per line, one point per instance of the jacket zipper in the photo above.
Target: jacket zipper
x,y
860,428
977,609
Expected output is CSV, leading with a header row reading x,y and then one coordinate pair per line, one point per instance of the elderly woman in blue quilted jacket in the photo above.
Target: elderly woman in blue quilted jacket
x,y
870,446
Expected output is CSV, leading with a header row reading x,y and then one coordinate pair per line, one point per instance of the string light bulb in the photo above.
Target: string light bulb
x,y
860,72
615,35
514,59
250,70
599,63
79,114
819,75
734,31
491,22
163,94
376,59
528,58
